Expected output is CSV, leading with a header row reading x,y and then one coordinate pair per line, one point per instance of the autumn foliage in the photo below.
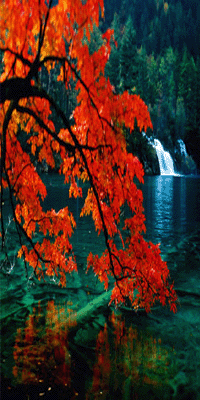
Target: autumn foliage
x,y
90,143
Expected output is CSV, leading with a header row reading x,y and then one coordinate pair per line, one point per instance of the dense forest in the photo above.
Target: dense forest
x,y
159,24
158,57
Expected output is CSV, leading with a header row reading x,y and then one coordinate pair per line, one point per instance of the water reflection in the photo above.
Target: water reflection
x,y
172,207
41,352
127,359
171,204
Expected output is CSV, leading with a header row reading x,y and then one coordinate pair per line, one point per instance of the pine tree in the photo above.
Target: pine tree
x,y
142,82
95,41
189,89
113,65
128,58
167,99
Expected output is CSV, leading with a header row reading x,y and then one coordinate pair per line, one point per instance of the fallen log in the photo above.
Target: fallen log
x,y
90,311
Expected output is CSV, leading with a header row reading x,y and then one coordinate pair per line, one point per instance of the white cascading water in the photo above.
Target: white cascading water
x,y
165,160
182,147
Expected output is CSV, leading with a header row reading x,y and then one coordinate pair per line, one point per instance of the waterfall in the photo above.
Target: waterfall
x,y
182,148
165,160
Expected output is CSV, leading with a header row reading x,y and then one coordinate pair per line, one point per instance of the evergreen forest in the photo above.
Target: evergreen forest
x,y
156,54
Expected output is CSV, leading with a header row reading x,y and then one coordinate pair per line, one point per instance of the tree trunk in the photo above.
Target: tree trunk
x,y
76,320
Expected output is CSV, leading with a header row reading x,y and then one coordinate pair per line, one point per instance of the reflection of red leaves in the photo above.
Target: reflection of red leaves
x,y
129,353
59,354
43,355
101,369
15,371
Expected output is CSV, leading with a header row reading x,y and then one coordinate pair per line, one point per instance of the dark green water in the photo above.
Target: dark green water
x,y
121,354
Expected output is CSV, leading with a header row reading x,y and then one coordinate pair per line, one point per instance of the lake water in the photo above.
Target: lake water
x,y
117,354
172,207
171,204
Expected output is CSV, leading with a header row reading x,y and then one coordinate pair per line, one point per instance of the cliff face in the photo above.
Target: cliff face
x,y
192,142
139,145
150,163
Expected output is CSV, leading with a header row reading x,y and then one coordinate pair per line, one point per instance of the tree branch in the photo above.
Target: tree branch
x,y
17,55
18,88
66,59
15,219
2,161
69,147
